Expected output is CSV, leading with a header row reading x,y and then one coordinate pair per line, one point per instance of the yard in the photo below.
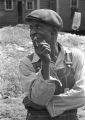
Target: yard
x,y
15,43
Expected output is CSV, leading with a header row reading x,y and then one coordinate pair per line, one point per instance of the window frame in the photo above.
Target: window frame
x,y
6,7
32,1
76,5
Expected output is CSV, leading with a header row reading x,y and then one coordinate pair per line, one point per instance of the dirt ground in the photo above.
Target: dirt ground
x,y
12,109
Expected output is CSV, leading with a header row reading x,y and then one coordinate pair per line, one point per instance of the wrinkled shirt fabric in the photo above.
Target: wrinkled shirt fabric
x,y
42,91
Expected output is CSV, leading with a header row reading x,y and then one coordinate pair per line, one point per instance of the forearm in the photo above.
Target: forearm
x,y
45,70
71,99
60,103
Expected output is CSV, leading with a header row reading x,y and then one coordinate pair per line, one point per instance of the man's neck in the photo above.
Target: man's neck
x,y
56,53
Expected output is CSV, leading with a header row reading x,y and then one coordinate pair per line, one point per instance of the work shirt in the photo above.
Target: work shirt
x,y
42,91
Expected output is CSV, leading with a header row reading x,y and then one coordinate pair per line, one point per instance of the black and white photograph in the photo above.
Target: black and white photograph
x,y
42,59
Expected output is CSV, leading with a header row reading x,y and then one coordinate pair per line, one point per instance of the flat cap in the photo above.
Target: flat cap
x,y
47,16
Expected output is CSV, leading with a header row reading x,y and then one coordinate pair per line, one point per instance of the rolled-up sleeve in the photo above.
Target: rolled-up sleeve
x,y
75,97
42,90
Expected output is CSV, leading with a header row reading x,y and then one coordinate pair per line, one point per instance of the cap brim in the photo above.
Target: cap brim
x,y
31,18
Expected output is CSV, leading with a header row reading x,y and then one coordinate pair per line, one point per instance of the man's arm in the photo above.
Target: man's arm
x,y
38,90
75,97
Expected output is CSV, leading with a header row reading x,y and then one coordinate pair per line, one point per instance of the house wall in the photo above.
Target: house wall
x,y
11,17
44,4
65,13
82,10
8,17
1,12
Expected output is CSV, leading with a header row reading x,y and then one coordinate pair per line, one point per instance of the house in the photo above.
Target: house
x,y
12,12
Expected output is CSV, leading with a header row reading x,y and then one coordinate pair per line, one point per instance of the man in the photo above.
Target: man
x,y
55,75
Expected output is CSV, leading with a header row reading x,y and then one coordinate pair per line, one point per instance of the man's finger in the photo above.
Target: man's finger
x,y
46,51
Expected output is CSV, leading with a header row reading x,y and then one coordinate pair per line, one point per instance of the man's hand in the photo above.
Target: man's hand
x,y
26,102
43,50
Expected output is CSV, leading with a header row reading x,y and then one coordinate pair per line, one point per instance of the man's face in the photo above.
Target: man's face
x,y
40,32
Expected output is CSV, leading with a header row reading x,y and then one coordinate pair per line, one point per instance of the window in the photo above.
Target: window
x,y
74,6
8,4
29,4
74,3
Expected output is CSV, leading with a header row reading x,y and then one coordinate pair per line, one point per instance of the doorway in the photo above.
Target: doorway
x,y
19,12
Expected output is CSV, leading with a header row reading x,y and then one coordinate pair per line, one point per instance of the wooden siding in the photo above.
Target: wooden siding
x,y
1,5
2,13
82,10
11,17
44,4
8,17
65,13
